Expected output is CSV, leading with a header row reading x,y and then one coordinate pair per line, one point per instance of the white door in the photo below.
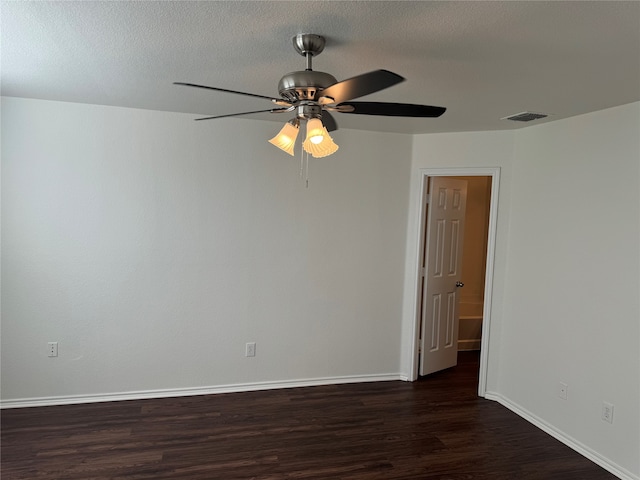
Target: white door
x,y
442,270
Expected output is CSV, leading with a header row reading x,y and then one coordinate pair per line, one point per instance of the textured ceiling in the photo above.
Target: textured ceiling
x,y
481,60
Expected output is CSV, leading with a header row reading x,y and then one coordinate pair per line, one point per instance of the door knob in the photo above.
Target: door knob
x,y
459,284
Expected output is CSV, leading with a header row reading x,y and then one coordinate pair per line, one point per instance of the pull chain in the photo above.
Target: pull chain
x,y
304,167
301,161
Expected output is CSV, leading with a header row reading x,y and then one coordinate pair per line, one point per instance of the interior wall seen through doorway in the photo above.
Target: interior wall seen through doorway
x,y
474,258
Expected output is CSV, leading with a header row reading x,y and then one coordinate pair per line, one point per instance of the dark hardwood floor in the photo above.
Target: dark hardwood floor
x,y
436,428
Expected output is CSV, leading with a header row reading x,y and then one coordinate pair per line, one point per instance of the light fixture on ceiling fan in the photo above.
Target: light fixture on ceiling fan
x,y
318,143
313,95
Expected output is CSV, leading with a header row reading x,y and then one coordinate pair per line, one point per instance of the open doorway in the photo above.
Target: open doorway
x,y
475,303
474,262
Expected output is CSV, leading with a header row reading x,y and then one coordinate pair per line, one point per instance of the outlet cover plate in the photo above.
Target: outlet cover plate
x,y
607,412
562,390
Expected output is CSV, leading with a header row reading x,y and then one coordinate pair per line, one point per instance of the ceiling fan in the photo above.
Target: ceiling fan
x,y
313,95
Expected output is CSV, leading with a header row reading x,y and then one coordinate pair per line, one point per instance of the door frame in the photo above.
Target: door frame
x,y
425,173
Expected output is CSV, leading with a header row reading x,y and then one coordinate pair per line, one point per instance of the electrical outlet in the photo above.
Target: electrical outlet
x,y
52,349
607,412
562,390
250,350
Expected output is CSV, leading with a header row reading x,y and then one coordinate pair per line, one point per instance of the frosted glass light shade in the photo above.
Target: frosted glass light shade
x,y
315,130
322,149
286,139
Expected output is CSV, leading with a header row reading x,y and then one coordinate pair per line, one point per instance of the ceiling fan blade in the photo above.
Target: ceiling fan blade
x,y
360,86
393,109
329,122
271,110
228,91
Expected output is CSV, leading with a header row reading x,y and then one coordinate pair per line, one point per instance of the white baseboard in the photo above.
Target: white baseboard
x,y
583,450
185,392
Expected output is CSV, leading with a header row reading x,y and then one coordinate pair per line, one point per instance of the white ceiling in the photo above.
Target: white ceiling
x,y
481,60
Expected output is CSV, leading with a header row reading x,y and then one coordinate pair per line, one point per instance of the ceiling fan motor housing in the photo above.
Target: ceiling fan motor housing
x,y
304,85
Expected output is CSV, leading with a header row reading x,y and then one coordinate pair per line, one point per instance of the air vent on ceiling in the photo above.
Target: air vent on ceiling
x,y
525,117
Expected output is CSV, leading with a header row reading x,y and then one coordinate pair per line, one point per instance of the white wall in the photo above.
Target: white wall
x,y
572,287
153,247
450,151
567,274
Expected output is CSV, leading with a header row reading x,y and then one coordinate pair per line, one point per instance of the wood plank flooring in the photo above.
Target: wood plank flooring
x,y
433,429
